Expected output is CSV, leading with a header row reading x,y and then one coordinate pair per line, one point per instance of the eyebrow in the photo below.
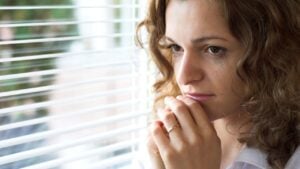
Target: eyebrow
x,y
200,40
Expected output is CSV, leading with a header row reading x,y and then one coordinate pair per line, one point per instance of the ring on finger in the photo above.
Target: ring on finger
x,y
172,128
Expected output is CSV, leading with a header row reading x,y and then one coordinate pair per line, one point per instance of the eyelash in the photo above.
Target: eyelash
x,y
220,49
208,50
172,46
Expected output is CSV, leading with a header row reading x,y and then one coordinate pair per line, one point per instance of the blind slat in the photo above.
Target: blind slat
x,y
51,133
66,7
57,147
52,23
67,54
94,152
68,85
71,38
56,71
113,161
63,101
68,114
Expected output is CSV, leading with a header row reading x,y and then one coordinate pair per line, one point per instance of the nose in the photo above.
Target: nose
x,y
189,69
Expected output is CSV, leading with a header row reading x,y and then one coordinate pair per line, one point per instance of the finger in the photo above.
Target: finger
x,y
182,113
201,119
155,158
160,139
170,123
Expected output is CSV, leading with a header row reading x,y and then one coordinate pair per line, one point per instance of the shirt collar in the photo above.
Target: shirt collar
x,y
254,157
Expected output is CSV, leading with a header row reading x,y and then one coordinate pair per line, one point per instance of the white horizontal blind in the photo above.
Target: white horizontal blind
x,y
73,85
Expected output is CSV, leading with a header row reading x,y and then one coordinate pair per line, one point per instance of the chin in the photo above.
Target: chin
x,y
211,114
214,115
213,118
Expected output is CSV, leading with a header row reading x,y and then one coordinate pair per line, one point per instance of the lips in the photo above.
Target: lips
x,y
200,97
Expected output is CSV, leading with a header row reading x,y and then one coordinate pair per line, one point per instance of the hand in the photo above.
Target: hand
x,y
154,154
191,141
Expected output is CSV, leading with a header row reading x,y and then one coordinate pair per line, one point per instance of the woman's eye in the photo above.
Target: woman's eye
x,y
175,48
216,50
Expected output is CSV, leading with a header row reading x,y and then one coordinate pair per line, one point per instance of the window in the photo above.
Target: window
x,y
73,85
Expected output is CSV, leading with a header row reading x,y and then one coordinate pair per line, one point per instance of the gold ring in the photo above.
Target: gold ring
x,y
172,128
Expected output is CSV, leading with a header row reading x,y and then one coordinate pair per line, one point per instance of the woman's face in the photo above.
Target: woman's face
x,y
205,56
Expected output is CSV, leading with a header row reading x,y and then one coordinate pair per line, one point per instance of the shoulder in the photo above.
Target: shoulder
x,y
294,161
251,158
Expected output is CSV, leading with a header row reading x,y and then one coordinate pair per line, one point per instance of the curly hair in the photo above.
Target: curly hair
x,y
270,68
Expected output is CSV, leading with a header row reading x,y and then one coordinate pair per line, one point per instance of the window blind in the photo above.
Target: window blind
x,y
74,88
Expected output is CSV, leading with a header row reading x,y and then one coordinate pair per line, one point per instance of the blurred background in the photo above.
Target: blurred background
x,y
74,88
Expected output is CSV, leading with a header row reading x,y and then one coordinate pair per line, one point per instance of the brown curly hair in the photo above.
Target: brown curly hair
x,y
270,68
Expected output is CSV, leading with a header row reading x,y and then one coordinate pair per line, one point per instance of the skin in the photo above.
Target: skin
x,y
205,55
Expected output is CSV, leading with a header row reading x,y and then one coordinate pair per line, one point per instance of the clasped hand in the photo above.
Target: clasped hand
x,y
183,137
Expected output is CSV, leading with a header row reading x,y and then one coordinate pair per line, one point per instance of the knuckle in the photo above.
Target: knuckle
x,y
182,148
196,141
155,130
193,104
170,154
179,108
181,112
168,117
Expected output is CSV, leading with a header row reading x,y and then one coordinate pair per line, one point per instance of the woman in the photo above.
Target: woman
x,y
230,84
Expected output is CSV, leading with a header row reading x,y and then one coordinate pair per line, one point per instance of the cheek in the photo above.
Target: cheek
x,y
239,88
176,67
227,81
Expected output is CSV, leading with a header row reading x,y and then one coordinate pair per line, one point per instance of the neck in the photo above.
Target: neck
x,y
228,130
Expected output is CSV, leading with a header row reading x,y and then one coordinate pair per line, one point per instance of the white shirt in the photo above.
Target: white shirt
x,y
249,158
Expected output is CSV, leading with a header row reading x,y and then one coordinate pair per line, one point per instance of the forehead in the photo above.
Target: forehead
x,y
189,18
